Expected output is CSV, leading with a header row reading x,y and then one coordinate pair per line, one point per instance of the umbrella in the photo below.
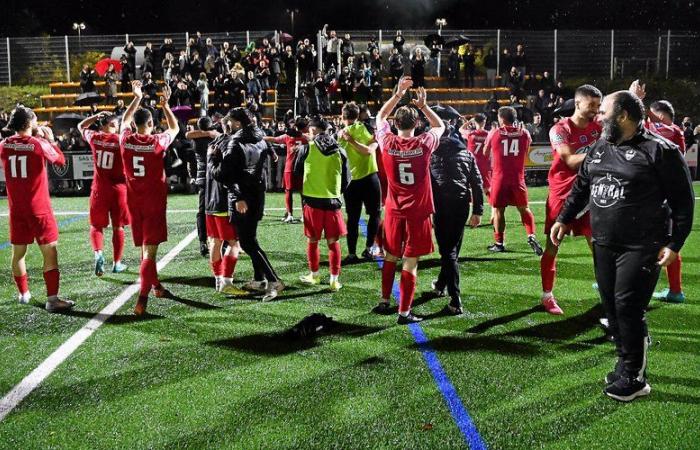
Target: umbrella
x,y
446,112
88,98
183,113
103,64
283,37
433,39
67,121
566,109
461,40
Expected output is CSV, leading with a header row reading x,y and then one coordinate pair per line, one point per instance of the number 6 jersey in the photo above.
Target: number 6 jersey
x,y
406,163
144,167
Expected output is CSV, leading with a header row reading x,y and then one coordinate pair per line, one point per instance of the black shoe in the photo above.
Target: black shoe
x,y
437,291
204,249
535,245
616,374
366,255
455,307
627,389
350,259
382,308
410,318
496,247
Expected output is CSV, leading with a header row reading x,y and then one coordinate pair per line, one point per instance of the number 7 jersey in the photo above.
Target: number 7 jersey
x,y
144,167
406,162
509,148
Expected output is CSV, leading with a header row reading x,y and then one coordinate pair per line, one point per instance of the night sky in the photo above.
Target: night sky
x,y
27,18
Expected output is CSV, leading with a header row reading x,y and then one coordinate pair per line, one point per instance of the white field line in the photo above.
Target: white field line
x,y
85,212
38,375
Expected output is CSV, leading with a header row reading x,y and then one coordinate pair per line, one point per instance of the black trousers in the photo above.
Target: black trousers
x,y
449,221
626,281
201,217
247,229
365,191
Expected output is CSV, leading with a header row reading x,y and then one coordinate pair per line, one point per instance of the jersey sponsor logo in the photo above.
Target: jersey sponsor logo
x,y
150,148
607,191
629,154
412,153
19,146
106,144
583,139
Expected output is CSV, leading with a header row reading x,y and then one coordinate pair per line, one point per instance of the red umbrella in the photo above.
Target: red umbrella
x,y
183,113
103,64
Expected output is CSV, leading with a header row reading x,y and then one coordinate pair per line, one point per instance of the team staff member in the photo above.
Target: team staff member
x,y
108,191
456,182
238,164
143,154
571,138
323,166
360,146
628,176
24,156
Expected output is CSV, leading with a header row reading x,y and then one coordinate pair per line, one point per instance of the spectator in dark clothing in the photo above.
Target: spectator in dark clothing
x,y
513,83
491,108
506,64
453,67
148,58
130,51
531,85
469,68
126,74
399,42
289,62
235,87
547,82
321,94
396,67
520,61
347,48
491,63
87,79
418,68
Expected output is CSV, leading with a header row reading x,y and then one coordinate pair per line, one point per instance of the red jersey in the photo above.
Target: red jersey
x,y
406,163
561,178
106,156
144,167
671,132
475,144
290,142
25,173
509,146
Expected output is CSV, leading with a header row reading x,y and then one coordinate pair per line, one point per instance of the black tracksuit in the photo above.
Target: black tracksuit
x,y
456,182
200,153
239,166
633,189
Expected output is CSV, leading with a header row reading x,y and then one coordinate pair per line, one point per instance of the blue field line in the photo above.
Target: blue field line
x,y
61,224
449,393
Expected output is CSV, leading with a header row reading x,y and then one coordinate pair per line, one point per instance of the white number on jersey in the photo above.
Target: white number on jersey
x,y
405,175
477,146
22,160
514,147
139,168
105,160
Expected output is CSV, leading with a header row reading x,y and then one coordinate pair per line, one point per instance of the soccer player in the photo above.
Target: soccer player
x,y
143,155
108,192
292,139
360,147
409,202
323,166
571,138
475,138
660,121
509,144
23,158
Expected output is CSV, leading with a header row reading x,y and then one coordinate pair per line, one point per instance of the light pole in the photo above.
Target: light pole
x,y
440,23
291,13
79,27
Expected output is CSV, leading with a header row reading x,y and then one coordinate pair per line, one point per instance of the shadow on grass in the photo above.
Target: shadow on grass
x,y
207,282
484,326
493,344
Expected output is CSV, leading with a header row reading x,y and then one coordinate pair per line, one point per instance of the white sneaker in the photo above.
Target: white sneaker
x,y
24,298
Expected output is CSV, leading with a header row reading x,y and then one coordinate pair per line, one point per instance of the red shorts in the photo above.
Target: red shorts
x,y
503,195
485,171
219,227
24,230
292,182
329,223
579,227
108,202
148,225
410,238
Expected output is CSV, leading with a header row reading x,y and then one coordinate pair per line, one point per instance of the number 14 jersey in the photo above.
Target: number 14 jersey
x,y
406,163
509,147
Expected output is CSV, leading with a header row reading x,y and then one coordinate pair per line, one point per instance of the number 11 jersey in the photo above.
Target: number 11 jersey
x,y
406,163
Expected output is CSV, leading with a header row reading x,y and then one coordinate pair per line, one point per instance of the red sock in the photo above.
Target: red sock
x,y
313,255
51,278
216,267
408,289
145,274
96,239
334,258
228,266
528,219
388,274
288,202
118,243
498,237
153,273
22,283
673,271
548,271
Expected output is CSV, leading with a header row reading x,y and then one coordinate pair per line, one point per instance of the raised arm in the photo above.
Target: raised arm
x,y
85,124
170,119
436,124
405,83
133,106
196,134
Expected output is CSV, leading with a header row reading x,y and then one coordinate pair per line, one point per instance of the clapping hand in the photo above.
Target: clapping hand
x,y
166,95
136,89
405,83
638,89
421,99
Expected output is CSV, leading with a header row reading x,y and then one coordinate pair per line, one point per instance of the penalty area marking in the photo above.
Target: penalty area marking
x,y
46,368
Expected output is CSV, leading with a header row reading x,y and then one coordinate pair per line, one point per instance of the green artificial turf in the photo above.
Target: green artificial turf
x,y
207,371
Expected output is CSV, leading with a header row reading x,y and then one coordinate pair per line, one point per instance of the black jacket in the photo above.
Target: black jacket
x,y
328,146
630,188
215,193
455,176
239,166
200,153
